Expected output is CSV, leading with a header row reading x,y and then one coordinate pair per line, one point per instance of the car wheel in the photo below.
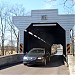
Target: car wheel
x,y
25,64
49,59
45,62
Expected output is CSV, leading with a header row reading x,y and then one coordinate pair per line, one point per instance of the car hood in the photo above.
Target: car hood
x,y
34,55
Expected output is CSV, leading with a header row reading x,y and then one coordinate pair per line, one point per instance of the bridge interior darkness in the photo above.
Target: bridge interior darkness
x,y
44,35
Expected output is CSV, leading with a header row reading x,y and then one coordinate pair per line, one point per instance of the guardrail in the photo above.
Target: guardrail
x,y
11,59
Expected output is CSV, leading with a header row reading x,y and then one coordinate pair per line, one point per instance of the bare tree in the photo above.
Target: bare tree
x,y
17,10
3,14
68,5
6,21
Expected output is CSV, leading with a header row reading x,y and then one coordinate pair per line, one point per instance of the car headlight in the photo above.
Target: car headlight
x,y
24,57
40,57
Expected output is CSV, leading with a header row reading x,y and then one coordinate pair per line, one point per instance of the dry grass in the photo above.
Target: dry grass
x,y
8,52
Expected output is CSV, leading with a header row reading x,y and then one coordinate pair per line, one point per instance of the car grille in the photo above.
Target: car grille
x,y
31,58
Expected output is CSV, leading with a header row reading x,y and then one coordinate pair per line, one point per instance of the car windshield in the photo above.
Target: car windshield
x,y
34,51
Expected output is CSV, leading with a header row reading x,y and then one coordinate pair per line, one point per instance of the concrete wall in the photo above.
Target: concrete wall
x,y
11,59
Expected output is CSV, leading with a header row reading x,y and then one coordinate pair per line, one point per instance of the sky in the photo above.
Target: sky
x,y
28,4
39,4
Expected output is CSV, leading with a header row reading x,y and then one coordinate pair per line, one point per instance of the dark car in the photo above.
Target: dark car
x,y
36,56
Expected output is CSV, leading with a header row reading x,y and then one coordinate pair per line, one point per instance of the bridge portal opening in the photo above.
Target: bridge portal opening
x,y
44,35
57,49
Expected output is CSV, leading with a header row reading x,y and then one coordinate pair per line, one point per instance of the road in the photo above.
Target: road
x,y
55,67
59,52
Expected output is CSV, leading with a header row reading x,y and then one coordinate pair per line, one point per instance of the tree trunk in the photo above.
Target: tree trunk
x,y
2,46
18,43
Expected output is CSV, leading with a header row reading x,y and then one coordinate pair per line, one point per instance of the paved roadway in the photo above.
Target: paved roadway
x,y
59,52
55,67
